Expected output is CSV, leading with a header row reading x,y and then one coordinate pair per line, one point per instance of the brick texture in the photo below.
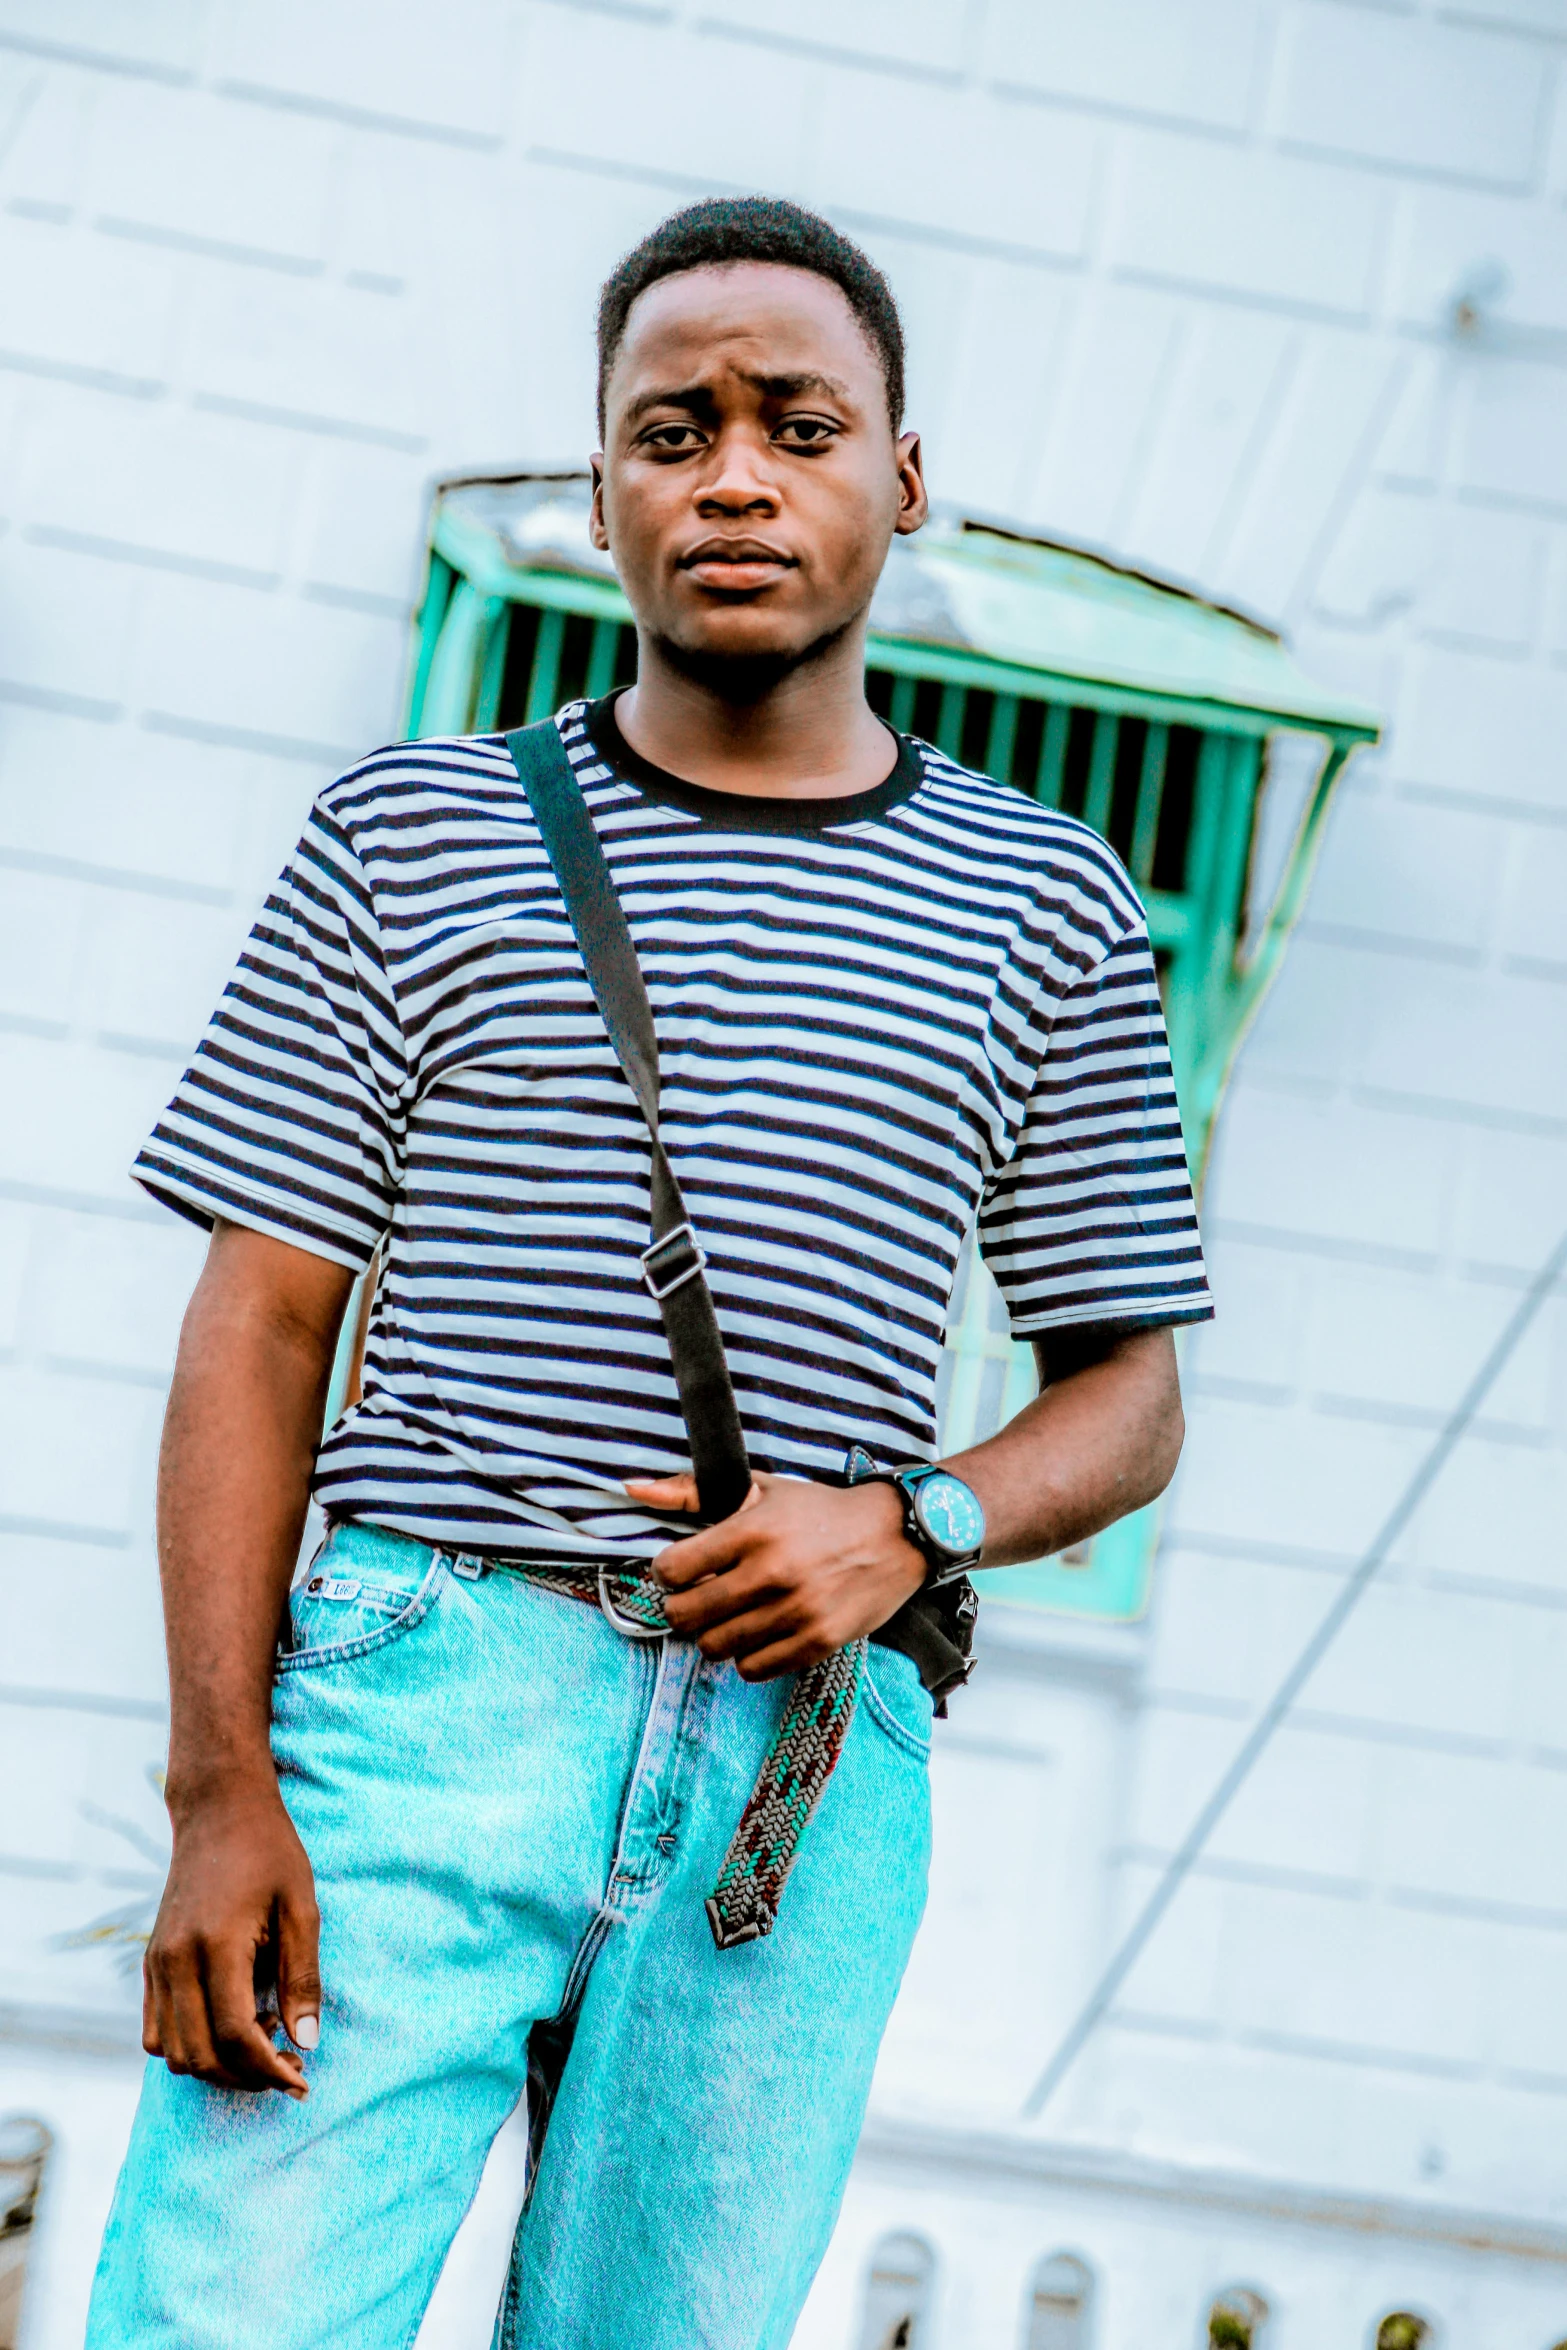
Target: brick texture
x,y
905,36
267,180
1031,184
1195,63
161,37
440,76
1268,227
1440,98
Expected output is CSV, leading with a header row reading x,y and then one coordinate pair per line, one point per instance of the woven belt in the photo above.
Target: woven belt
x,y
743,1904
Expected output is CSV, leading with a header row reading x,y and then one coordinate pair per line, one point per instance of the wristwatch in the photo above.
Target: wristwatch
x,y
942,1516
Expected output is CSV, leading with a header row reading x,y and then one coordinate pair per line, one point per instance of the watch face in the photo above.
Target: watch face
x,y
949,1513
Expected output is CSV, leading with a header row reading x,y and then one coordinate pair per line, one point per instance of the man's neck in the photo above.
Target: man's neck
x,y
813,736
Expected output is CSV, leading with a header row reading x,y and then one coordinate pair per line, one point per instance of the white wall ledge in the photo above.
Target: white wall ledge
x,y
955,2158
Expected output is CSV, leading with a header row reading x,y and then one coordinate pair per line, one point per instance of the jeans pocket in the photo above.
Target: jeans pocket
x,y
343,1611
896,1699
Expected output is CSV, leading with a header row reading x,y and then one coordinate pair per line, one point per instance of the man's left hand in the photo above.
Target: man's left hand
x,y
798,1572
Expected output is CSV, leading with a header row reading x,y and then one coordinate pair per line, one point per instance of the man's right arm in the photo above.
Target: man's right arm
x,y
239,1445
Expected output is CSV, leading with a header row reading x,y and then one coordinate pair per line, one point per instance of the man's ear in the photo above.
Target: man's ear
x,y
596,531
913,502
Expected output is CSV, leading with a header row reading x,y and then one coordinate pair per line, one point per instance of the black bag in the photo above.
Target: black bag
x,y
934,1628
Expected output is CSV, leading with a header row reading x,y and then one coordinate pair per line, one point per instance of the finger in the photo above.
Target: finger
x,y
245,2056
299,1971
664,1493
747,1635
793,1655
680,1493
723,1597
714,1551
151,2038
166,2029
248,2058
182,2011
244,2053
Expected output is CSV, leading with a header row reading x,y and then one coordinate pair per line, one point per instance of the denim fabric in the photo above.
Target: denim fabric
x,y
515,1814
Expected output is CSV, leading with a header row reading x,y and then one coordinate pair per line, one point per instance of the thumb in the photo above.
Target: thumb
x,y
664,1493
299,1971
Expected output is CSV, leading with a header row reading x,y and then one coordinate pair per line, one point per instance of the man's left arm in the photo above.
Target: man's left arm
x,y
802,1569
1100,1439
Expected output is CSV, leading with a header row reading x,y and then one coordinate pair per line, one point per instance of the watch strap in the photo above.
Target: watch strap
x,y
941,1567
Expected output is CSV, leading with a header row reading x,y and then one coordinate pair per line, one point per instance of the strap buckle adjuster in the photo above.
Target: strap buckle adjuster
x,y
681,1239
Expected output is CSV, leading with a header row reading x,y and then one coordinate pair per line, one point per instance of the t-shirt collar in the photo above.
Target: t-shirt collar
x,y
736,811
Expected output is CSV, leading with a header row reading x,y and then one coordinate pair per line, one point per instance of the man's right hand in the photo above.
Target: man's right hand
x,y
239,1443
238,1913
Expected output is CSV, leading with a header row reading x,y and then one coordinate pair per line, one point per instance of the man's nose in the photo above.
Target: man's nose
x,y
741,480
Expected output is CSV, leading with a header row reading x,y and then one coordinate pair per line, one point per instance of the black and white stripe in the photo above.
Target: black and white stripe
x,y
871,1026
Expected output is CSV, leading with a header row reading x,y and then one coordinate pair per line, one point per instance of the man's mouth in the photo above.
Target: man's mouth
x,y
736,565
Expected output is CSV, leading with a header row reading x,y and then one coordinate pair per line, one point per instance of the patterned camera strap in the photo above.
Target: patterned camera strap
x,y
743,1904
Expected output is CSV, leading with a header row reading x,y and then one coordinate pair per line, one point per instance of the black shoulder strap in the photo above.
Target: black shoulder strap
x,y
672,1267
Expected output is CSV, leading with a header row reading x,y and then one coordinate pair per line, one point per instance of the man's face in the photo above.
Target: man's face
x,y
750,482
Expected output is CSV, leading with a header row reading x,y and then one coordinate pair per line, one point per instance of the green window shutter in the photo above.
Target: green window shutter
x,y
1120,699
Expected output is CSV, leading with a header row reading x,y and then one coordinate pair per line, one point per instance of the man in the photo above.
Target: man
x,y
890,996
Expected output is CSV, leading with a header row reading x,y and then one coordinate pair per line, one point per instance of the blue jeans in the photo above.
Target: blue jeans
x,y
515,1815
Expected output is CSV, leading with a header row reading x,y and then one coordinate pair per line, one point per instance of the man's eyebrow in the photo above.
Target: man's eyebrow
x,y
790,387
696,399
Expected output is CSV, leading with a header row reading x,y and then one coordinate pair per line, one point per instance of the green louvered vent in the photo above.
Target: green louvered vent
x,y
553,656
1133,779
1119,700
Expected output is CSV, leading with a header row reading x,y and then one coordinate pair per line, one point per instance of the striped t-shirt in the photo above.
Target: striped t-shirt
x,y
879,1018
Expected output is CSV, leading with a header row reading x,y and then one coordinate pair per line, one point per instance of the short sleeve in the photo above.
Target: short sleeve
x,y
290,1118
1092,1220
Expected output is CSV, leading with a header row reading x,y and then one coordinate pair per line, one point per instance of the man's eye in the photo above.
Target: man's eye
x,y
807,432
673,436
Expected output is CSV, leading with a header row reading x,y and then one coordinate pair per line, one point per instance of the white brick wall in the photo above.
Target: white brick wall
x,y
1431,97
1270,228
1193,60
1180,278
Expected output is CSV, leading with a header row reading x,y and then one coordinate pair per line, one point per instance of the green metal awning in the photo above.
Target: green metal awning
x,y
1017,613
1061,611
1130,702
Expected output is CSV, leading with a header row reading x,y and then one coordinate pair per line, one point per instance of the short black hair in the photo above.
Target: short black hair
x,y
754,228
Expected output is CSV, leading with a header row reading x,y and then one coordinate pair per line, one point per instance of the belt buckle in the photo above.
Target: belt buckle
x,y
650,1272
